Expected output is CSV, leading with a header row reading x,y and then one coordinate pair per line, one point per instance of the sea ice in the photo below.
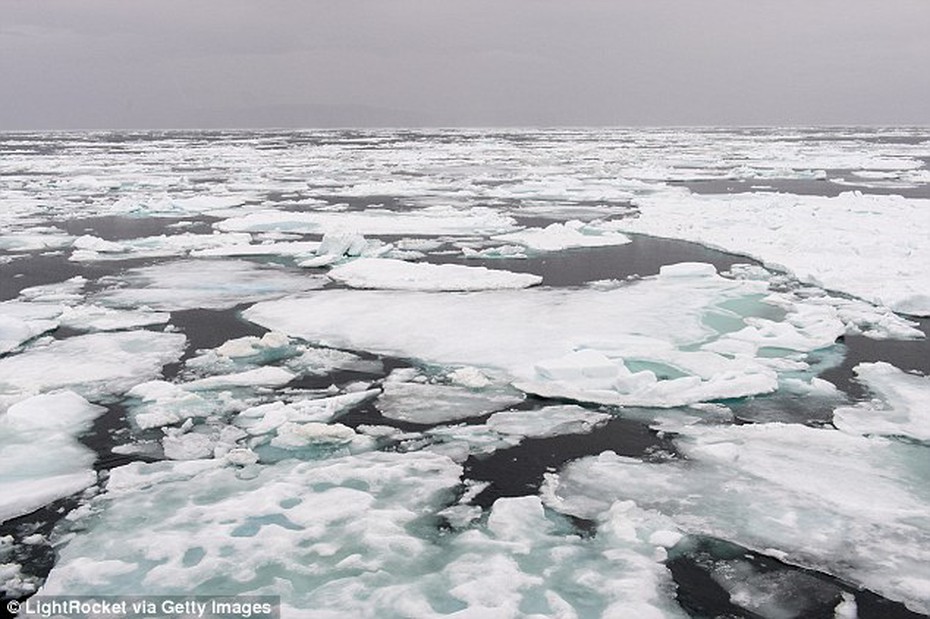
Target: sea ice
x,y
355,535
91,249
431,221
40,457
438,403
872,247
652,341
900,409
190,284
852,506
93,365
559,236
545,422
382,273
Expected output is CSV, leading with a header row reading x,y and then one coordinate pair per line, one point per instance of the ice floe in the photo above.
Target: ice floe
x,y
433,221
574,233
90,248
852,506
900,407
687,335
92,365
40,457
387,274
872,247
189,284
439,403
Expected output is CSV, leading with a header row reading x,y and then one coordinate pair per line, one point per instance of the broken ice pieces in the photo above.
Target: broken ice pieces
x,y
353,534
93,365
852,506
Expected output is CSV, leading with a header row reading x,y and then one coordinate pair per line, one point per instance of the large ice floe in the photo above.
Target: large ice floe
x,y
684,336
40,458
853,506
872,247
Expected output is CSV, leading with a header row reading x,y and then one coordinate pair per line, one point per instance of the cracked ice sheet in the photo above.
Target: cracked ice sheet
x,y
427,222
872,247
851,506
209,284
581,341
40,457
383,273
902,407
93,365
356,536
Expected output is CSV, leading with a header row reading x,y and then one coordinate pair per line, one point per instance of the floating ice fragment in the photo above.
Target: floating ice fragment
x,y
437,403
95,364
204,284
265,376
400,275
559,236
901,408
545,422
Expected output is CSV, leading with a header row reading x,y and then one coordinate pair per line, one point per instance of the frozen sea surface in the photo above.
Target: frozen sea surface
x,y
470,373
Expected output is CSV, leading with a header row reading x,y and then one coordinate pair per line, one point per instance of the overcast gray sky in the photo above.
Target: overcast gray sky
x,y
238,63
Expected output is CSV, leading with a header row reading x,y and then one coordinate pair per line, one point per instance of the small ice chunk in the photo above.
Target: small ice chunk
x,y
432,403
265,376
548,421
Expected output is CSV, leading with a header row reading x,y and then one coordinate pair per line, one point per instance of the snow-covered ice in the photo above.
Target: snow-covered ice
x,y
92,365
203,284
387,274
669,340
40,457
900,407
574,233
852,506
434,221
872,247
